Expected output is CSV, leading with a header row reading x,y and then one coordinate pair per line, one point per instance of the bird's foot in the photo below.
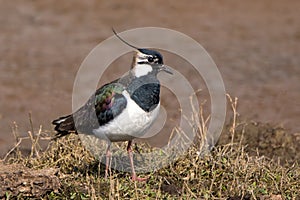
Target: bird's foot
x,y
139,179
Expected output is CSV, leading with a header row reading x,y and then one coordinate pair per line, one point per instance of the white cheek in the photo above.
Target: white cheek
x,y
142,70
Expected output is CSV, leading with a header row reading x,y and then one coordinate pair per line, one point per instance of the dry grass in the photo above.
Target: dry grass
x,y
230,171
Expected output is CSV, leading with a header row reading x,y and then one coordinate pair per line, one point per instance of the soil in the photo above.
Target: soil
x,y
17,179
255,45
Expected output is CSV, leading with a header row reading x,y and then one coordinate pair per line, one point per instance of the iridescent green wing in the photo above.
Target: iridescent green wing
x,y
109,102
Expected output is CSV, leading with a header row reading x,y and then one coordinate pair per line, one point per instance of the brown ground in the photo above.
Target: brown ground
x,y
254,43
18,179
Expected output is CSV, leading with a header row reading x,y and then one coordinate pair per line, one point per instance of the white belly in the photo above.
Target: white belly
x,y
132,123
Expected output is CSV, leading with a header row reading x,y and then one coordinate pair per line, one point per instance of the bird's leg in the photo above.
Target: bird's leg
x,y
133,174
108,157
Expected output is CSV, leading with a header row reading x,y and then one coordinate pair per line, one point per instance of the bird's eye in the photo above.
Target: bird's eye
x,y
150,59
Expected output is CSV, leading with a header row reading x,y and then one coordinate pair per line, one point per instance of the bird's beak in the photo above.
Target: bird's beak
x,y
166,68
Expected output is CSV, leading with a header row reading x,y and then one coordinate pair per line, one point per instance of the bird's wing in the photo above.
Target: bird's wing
x,y
109,102
102,107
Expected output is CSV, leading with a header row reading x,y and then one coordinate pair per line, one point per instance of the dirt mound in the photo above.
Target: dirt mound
x,y
16,179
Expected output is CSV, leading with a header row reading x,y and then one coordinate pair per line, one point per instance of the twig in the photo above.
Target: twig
x,y
10,151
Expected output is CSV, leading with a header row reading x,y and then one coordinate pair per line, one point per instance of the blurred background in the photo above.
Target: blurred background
x,y
255,44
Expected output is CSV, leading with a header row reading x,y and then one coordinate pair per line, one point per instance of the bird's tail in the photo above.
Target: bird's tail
x,y
64,126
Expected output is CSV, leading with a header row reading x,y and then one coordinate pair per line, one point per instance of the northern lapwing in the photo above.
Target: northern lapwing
x,y
123,109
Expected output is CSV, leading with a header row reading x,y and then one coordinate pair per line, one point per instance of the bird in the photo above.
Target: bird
x,y
123,109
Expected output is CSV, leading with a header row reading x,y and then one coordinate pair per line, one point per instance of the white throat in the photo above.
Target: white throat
x,y
142,70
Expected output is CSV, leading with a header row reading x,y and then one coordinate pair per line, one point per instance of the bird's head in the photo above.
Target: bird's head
x,y
146,61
